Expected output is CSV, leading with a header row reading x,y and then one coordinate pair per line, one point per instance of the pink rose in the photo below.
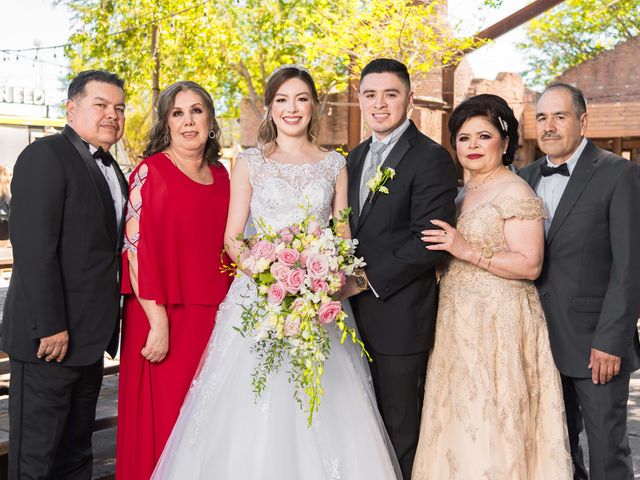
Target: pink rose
x,y
276,294
286,235
318,285
343,278
304,255
289,257
313,228
264,249
295,278
279,271
292,326
328,312
318,265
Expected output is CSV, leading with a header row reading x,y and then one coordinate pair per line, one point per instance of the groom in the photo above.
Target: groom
x,y
396,295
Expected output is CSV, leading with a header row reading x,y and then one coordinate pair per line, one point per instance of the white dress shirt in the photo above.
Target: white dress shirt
x,y
551,188
114,185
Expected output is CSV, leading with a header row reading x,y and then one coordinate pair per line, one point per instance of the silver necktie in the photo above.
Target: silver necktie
x,y
376,149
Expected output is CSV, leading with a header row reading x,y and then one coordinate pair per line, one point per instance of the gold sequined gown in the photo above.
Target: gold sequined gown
x,y
493,406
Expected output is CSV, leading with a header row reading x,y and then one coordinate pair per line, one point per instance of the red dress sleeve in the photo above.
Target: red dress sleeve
x,y
175,227
148,235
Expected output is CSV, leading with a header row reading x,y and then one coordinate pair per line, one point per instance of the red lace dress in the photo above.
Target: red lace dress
x,y
175,227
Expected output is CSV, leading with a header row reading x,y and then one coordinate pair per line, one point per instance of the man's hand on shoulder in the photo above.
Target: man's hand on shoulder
x,y
604,366
54,347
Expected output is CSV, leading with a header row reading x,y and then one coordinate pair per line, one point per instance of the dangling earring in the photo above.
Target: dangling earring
x,y
212,135
165,139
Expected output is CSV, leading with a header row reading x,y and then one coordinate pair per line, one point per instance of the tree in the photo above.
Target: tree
x,y
575,31
231,46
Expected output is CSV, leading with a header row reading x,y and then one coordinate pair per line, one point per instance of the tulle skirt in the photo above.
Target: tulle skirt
x,y
225,433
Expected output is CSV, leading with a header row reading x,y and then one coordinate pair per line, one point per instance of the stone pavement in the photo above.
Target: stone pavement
x,y
634,421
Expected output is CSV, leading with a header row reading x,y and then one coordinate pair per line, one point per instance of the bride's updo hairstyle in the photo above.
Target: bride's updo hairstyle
x,y
497,111
267,132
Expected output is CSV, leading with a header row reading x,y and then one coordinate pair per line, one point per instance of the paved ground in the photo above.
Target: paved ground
x,y
634,422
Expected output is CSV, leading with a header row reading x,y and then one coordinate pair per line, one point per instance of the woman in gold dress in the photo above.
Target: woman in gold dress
x,y
493,405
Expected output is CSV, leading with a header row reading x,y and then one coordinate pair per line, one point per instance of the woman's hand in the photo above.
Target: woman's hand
x,y
447,239
157,344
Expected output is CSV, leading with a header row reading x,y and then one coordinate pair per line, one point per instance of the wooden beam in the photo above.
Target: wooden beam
x,y
617,146
516,19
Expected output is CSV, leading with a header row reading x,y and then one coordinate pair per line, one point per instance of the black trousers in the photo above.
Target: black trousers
x,y
52,411
398,381
602,411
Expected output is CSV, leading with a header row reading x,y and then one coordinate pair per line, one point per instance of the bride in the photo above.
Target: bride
x,y
223,431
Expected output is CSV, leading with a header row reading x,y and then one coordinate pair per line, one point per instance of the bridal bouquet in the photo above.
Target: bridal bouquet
x,y
298,270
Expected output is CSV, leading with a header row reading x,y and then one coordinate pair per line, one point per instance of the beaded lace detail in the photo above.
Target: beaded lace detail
x,y
134,208
283,191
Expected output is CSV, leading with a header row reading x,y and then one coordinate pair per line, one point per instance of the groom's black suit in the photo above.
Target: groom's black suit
x,y
590,292
398,325
66,246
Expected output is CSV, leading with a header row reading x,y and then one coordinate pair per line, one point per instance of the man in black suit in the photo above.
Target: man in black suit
x,y
62,307
590,281
395,305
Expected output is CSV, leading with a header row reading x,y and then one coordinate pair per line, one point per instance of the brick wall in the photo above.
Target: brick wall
x,y
610,77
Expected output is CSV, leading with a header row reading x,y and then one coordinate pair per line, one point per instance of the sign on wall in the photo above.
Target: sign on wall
x,y
22,95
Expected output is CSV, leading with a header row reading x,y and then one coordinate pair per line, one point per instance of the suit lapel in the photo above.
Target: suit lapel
x,y
99,182
533,179
393,159
354,180
584,169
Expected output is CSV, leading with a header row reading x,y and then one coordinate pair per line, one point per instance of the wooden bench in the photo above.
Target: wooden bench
x,y
106,416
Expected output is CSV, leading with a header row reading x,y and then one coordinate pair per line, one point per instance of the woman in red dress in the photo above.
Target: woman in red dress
x,y
179,196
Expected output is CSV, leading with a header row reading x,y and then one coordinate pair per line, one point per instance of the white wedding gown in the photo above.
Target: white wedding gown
x,y
223,432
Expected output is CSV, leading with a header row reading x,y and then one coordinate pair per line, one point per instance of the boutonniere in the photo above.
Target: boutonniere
x,y
376,183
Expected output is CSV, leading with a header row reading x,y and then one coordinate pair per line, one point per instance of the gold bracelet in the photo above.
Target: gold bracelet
x,y
488,265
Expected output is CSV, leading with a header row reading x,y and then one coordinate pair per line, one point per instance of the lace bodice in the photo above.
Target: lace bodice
x,y
483,226
283,191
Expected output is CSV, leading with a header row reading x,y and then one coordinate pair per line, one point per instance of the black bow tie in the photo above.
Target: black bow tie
x,y
104,156
561,169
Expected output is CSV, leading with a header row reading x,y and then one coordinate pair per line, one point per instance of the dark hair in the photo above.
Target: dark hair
x,y
388,65
268,132
579,103
79,82
160,136
496,110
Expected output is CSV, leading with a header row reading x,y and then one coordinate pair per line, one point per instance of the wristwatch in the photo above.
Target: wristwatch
x,y
362,282
487,252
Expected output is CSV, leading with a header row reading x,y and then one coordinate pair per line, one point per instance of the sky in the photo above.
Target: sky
x,y
33,23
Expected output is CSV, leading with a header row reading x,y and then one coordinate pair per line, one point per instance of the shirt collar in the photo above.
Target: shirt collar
x,y
394,135
573,159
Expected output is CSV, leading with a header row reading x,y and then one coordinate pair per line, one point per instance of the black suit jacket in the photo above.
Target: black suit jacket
x,y
400,268
66,251
590,281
